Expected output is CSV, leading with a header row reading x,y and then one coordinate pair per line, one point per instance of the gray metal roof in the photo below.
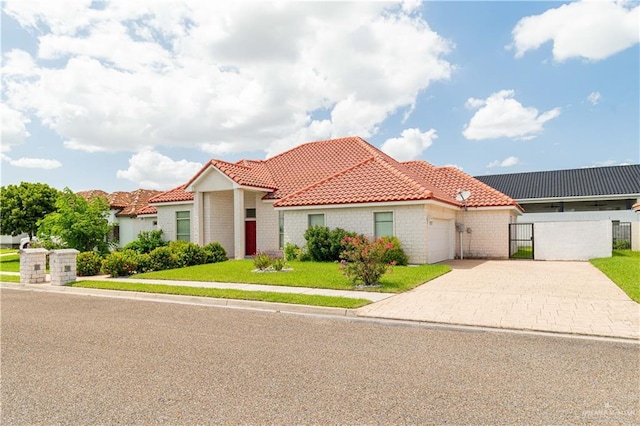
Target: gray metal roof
x,y
587,182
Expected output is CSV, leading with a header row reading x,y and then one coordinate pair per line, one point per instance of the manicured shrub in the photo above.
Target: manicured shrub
x,y
144,263
292,252
188,254
324,245
394,254
262,261
214,253
120,263
147,241
363,261
278,263
162,258
88,263
318,244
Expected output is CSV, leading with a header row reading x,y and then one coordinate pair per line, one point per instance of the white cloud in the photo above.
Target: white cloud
x,y
14,130
152,170
594,98
593,30
32,163
501,116
224,77
410,145
507,162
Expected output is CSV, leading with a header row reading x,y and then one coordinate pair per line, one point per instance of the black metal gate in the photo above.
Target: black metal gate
x,y
521,241
621,235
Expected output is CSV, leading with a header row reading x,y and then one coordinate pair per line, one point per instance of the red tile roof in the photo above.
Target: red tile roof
x,y
451,180
249,173
148,210
345,171
92,193
173,195
128,203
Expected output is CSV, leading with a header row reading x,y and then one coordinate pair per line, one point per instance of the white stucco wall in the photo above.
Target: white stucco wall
x,y
489,236
267,226
409,225
608,215
7,241
572,240
218,219
167,219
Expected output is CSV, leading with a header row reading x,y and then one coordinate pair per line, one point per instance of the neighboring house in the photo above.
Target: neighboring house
x,y
261,205
129,212
9,241
598,193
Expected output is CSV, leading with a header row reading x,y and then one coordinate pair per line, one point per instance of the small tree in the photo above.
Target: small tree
x,y
363,260
78,223
22,206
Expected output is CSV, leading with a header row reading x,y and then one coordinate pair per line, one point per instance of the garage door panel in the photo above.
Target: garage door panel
x,y
439,241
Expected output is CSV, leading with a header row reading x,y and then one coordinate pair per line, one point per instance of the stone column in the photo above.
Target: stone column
x,y
33,265
62,266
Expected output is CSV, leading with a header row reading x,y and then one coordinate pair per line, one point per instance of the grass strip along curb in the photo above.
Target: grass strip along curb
x,y
9,278
262,296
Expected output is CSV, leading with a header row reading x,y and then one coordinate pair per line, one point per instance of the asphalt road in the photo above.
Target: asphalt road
x,y
86,360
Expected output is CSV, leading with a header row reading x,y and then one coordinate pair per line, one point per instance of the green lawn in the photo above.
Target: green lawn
x,y
524,252
9,278
10,263
304,274
299,299
623,268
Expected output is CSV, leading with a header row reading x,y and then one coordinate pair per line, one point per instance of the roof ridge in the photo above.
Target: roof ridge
x,y
405,177
480,183
328,178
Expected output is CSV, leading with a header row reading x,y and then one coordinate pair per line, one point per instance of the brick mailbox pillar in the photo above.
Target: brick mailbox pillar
x,y
33,265
62,266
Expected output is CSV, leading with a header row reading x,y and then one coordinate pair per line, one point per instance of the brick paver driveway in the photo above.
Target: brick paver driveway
x,y
569,297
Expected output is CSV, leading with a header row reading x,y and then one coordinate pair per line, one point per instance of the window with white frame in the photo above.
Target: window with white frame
x,y
383,224
316,220
183,226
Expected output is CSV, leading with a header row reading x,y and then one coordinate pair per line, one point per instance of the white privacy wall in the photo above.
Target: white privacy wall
x,y
572,240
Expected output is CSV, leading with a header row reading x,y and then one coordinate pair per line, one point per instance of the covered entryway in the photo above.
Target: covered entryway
x,y
440,240
521,241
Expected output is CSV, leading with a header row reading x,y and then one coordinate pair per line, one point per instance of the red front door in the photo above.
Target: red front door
x,y
250,237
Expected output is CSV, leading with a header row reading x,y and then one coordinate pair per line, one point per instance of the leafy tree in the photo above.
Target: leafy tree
x,y
78,223
22,206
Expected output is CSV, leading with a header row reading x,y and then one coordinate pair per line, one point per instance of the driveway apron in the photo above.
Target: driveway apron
x,y
566,297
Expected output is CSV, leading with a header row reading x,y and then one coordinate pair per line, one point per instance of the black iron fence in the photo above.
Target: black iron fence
x,y
521,241
621,235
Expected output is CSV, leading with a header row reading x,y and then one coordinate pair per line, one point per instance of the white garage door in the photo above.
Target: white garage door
x,y
439,240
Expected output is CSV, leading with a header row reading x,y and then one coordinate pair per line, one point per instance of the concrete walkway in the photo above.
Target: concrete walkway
x,y
566,297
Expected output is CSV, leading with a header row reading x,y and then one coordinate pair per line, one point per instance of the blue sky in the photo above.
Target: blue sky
x,y
120,95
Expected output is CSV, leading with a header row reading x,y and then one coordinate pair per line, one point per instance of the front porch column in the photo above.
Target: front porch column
x,y
238,223
199,218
